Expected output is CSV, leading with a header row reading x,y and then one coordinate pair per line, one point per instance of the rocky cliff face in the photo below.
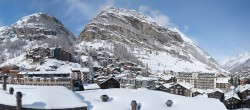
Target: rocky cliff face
x,y
135,29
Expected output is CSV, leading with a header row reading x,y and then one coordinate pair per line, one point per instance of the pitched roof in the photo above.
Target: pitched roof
x,y
231,94
183,84
241,88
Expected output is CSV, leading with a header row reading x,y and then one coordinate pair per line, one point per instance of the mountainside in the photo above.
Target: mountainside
x,y
239,63
159,47
32,30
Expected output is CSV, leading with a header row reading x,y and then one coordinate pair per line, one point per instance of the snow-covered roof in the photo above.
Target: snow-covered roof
x,y
231,94
202,96
145,78
81,69
120,99
242,88
85,70
167,77
183,84
91,86
42,97
198,90
95,64
84,58
186,85
45,72
222,80
213,90
168,85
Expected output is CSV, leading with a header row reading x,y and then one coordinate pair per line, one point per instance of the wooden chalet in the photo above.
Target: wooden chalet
x,y
6,69
232,101
244,81
109,83
182,88
244,91
167,79
196,93
217,94
246,103
160,87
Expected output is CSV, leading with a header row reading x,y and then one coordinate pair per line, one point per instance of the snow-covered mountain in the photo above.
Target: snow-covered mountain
x,y
159,47
32,30
238,63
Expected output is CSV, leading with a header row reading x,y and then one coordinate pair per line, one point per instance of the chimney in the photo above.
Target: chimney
x,y
4,83
19,96
133,105
72,84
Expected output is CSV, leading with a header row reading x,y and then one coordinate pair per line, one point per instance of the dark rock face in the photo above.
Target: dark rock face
x,y
112,26
134,28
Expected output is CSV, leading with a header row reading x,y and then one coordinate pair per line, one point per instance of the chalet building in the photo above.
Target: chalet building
x,y
215,93
167,79
196,92
244,81
160,87
39,51
222,82
244,91
246,103
181,88
232,101
198,80
6,69
36,54
109,83
60,54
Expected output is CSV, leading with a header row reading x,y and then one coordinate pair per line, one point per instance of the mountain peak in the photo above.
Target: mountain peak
x,y
236,63
121,13
38,18
31,30
136,30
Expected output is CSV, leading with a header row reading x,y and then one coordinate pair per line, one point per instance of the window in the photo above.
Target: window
x,y
176,91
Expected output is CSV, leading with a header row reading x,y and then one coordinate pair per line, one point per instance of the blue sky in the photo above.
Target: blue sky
x,y
220,27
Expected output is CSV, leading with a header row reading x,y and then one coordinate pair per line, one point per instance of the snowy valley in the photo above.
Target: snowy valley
x,y
122,59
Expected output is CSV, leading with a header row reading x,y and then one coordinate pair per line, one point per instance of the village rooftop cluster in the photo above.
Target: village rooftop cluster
x,y
97,69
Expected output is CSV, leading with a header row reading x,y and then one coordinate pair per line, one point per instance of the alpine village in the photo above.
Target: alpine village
x,y
120,61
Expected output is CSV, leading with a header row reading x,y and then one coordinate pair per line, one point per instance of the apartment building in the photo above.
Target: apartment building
x,y
198,80
42,78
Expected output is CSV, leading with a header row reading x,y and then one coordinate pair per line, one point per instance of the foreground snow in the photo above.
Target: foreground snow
x,y
120,99
42,97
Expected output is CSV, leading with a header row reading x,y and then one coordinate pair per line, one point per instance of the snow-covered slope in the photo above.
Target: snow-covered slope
x,y
237,63
162,48
48,65
32,30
